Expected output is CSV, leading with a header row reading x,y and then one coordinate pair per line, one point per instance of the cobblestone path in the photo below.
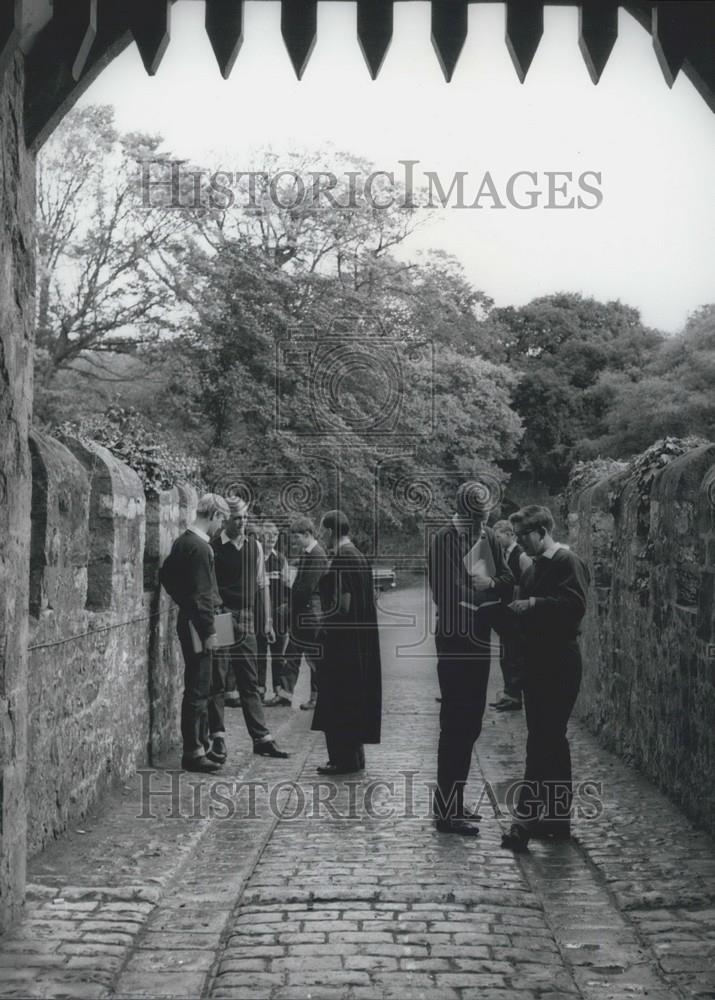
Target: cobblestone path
x,y
269,882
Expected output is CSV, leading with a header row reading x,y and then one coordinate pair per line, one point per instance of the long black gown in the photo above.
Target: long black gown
x,y
349,707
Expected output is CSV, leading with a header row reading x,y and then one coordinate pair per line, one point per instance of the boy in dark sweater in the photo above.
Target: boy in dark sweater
x,y
463,643
188,576
551,604
241,576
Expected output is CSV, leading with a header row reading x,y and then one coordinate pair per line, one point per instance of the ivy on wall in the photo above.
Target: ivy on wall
x,y
585,474
640,473
124,433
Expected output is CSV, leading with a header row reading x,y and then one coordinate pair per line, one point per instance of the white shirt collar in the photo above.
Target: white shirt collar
x,y
549,553
507,552
236,542
199,532
344,541
311,545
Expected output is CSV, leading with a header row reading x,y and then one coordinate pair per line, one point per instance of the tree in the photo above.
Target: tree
x,y
299,216
351,353
672,395
95,290
274,290
567,347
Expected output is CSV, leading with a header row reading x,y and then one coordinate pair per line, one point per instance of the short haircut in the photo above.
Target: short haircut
x,y
336,522
303,524
210,504
503,526
532,518
237,505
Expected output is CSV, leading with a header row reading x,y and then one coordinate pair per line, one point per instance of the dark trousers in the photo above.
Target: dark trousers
x,y
551,685
463,672
344,753
302,642
277,650
512,663
239,663
197,684
511,654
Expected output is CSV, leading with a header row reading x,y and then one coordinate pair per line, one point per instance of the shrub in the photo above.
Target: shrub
x,y
124,433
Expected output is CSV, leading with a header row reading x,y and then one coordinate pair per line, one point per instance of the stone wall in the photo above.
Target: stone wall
x,y
649,635
17,212
105,674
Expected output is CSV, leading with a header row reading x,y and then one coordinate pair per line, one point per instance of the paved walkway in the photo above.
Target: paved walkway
x,y
269,882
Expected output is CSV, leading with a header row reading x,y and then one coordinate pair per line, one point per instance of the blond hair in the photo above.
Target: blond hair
x,y
210,504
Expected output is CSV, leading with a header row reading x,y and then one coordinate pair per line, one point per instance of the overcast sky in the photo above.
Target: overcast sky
x,y
651,241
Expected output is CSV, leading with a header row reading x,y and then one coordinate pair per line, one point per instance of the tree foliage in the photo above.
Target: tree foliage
x,y
671,395
566,348
96,292
268,374
277,331
126,434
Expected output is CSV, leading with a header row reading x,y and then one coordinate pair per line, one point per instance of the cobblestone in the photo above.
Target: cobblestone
x,y
342,903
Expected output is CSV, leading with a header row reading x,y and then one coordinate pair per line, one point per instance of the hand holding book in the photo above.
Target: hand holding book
x,y
479,564
223,636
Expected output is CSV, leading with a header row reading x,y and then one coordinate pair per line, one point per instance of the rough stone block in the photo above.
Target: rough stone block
x,y
116,528
162,521
59,547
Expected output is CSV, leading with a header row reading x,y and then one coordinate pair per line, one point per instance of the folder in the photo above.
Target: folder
x,y
225,636
488,602
479,559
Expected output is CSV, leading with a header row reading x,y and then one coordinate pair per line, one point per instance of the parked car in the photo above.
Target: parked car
x,y
383,578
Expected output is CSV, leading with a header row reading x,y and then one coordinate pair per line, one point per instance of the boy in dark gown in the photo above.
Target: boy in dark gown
x,y
349,705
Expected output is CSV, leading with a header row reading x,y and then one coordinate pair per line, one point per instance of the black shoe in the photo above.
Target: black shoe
x,y
460,826
269,749
217,753
309,705
276,700
200,764
469,815
337,769
231,701
517,839
508,705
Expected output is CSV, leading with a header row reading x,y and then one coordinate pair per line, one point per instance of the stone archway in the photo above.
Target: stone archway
x,y
50,52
